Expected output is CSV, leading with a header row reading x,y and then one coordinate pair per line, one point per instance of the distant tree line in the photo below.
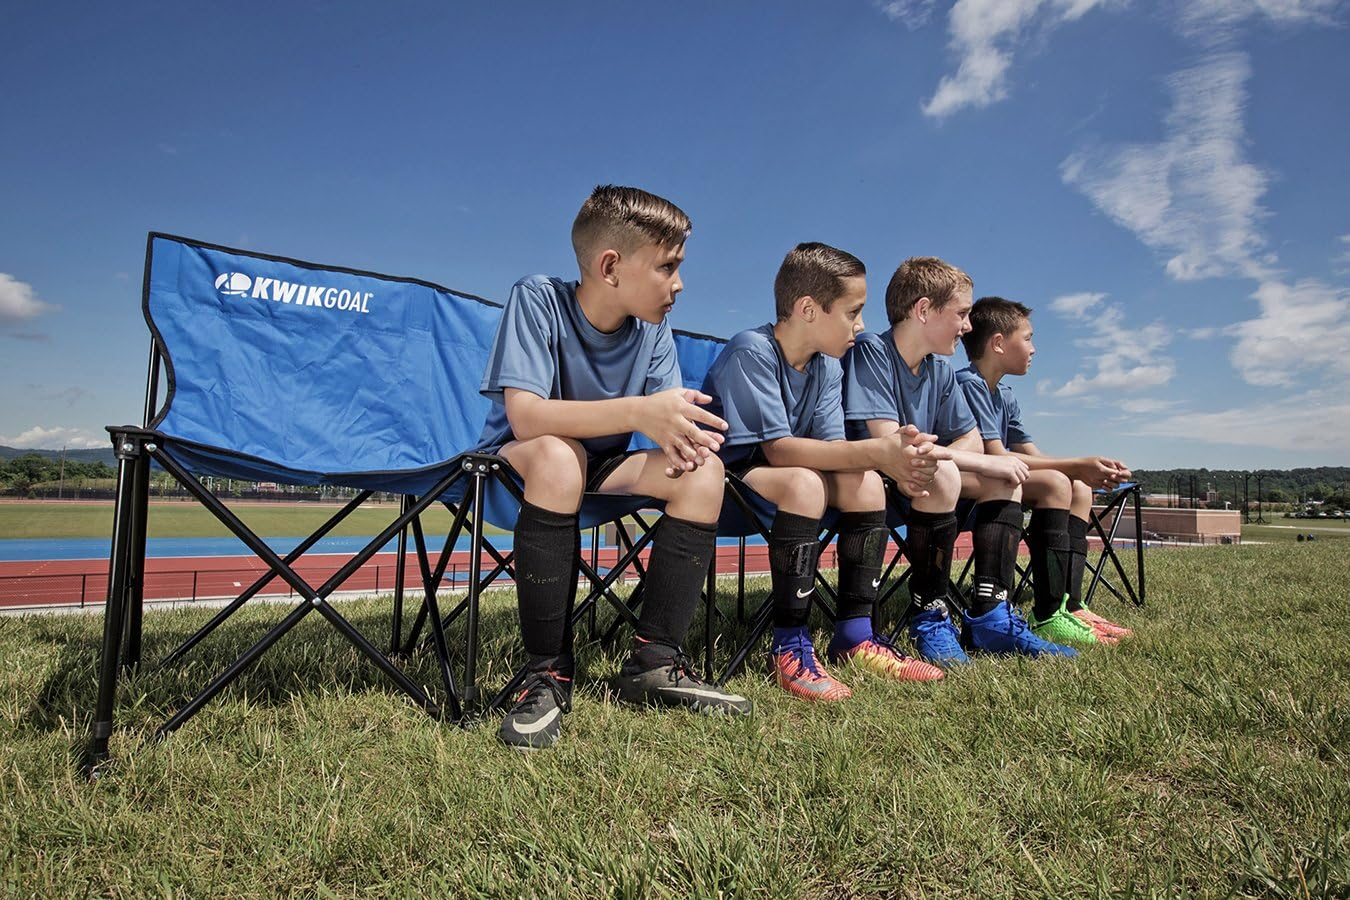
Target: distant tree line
x,y
23,473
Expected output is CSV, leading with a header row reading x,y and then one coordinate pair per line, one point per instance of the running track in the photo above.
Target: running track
x,y
84,582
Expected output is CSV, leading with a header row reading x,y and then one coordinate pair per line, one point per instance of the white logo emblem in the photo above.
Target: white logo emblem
x,y
237,284
805,593
234,284
876,582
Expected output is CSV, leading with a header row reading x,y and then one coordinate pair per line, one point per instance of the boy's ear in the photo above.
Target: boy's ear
x,y
922,307
996,342
605,265
806,307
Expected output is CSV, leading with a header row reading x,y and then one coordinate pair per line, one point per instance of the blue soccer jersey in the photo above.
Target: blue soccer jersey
x,y
763,398
878,384
546,346
997,412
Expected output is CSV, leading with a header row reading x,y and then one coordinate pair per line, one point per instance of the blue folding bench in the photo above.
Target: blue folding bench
x,y
286,371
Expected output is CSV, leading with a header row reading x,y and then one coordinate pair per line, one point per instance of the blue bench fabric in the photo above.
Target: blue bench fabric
x,y
280,370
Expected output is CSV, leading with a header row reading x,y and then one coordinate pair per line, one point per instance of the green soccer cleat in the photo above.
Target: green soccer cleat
x,y
1063,627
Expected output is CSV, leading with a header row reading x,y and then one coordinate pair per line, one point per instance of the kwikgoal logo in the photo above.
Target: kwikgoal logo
x,y
237,284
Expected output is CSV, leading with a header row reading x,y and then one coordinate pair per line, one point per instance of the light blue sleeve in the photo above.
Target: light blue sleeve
x,y
828,422
664,371
870,389
522,354
1016,433
745,384
954,417
982,407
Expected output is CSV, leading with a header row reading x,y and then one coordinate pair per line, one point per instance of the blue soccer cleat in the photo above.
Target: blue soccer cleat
x,y
935,637
1003,630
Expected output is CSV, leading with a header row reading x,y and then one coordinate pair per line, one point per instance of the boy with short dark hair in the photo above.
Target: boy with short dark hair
x,y
778,387
575,370
1060,489
898,377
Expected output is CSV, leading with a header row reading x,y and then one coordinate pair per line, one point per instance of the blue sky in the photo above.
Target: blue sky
x,y
1165,183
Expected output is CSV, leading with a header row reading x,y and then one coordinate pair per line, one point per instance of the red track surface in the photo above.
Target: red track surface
x,y
84,582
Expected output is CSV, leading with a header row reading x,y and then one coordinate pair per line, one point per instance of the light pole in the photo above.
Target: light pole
x,y
61,479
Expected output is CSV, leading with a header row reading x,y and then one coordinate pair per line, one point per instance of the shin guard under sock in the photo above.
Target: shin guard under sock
x,y
998,531
1078,548
794,546
546,545
929,538
680,558
1048,540
862,543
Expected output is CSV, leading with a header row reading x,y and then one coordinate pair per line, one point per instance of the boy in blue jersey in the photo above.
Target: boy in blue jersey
x,y
898,377
1060,489
778,387
576,368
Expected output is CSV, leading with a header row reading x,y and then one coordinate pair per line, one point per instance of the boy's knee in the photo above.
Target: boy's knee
x,y
987,489
1082,494
946,482
552,465
803,491
857,491
1049,488
702,489
1081,504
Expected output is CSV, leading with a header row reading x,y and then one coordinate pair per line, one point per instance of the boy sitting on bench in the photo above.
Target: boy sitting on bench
x,y
999,344
575,369
899,377
778,387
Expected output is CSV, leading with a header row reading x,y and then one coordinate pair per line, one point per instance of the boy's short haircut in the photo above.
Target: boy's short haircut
x,y
988,317
624,219
813,270
923,276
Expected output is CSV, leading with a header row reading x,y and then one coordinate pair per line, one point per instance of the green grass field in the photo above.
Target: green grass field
x,y
1205,757
1280,530
177,519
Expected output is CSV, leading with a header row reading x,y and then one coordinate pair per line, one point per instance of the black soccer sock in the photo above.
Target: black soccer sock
x,y
929,538
998,531
794,546
1078,548
1048,540
862,542
546,547
680,558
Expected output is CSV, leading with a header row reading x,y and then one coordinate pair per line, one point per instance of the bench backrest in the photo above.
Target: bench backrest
x,y
315,370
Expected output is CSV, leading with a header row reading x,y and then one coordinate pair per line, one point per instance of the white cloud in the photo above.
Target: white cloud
x,y
1147,405
1117,358
1075,306
984,34
39,438
18,303
1192,194
1342,260
1314,420
1303,327
913,14
1213,21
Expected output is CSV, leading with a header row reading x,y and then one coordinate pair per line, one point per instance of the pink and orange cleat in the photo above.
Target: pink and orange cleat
x,y
1107,632
797,671
879,657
